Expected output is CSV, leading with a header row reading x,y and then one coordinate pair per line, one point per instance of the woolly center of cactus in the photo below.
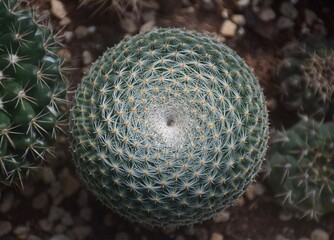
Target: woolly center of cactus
x,y
320,74
171,121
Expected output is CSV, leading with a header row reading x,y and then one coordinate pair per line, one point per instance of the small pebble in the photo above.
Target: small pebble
x,y
180,237
239,19
319,234
217,236
254,190
83,198
55,213
82,232
267,14
21,232
87,57
67,219
5,227
146,27
58,9
310,16
59,237
45,225
222,216
86,214
281,237
285,22
122,236
228,28
109,220
303,238
285,215
7,202
33,237
28,190
202,233
70,185
240,201
60,228
287,9
47,173
129,25
208,4
190,230
40,201
81,32
224,13
243,3
91,29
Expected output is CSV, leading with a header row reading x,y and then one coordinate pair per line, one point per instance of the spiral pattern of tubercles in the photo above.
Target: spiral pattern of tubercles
x,y
169,127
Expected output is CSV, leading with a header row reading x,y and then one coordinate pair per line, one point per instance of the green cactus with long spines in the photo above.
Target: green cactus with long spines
x,y
169,127
306,76
302,167
32,92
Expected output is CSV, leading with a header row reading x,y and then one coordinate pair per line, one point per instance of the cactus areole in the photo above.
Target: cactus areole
x,y
169,127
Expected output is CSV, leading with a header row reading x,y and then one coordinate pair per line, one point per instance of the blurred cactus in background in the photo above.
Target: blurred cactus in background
x,y
32,92
307,77
169,127
302,167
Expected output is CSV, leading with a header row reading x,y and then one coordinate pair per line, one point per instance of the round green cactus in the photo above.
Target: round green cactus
x,y
307,76
32,92
302,167
169,127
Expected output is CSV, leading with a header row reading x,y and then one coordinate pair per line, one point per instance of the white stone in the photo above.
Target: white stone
x,y
228,28
267,14
239,19
217,236
319,234
58,9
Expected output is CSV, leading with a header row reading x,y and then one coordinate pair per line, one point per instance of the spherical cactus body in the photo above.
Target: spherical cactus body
x,y
302,167
306,76
32,92
169,127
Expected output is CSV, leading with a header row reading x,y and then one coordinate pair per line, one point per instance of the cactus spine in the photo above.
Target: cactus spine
x,y
169,127
302,162
32,92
